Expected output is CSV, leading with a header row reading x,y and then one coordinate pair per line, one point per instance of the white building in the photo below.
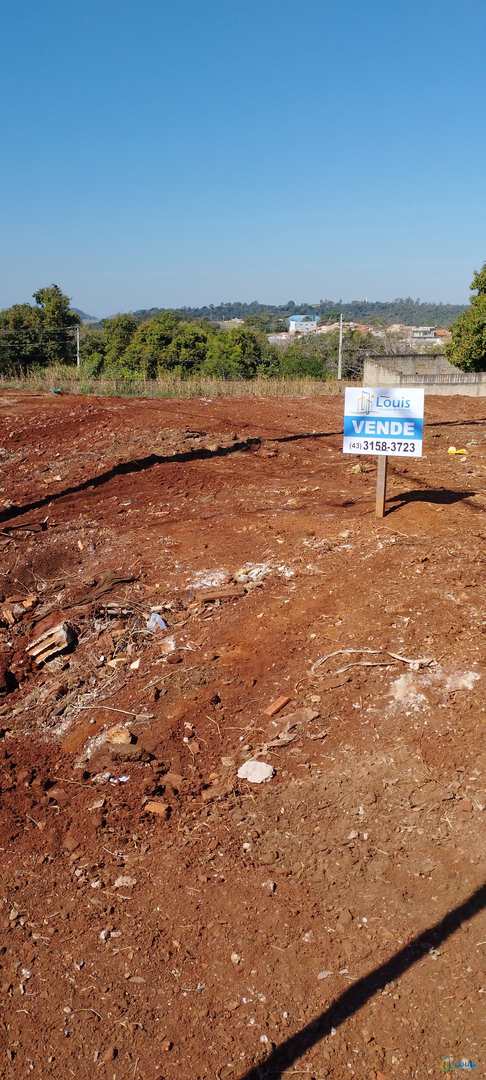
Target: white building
x,y
422,333
303,324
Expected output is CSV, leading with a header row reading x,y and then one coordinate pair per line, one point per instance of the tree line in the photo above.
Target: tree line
x,y
273,317
167,343
146,345
131,347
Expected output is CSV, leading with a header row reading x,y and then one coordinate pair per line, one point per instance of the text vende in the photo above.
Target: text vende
x,y
405,428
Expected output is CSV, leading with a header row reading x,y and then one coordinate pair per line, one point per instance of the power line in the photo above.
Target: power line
x,y
42,330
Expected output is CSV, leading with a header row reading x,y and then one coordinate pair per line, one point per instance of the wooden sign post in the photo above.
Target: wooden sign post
x,y
381,474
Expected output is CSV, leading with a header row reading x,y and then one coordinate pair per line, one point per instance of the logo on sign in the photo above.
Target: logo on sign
x,y
365,402
448,1064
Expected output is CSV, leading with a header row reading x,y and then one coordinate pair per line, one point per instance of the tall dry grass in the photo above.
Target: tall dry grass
x,y
70,380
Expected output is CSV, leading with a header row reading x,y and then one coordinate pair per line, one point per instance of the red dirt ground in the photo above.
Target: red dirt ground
x,y
330,922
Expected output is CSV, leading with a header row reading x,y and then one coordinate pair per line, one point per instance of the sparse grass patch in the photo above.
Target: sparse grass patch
x,y
71,380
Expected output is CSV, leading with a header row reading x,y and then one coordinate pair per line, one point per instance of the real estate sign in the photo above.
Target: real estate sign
x,y
383,421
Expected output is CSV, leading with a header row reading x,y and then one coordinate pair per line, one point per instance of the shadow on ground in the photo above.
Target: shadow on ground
x,y
124,468
353,999
434,496
457,423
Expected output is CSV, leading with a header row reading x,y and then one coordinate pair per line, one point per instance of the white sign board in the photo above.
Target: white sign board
x,y
383,421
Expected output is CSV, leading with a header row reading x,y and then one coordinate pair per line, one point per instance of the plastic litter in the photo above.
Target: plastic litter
x,y
168,645
257,772
155,622
108,778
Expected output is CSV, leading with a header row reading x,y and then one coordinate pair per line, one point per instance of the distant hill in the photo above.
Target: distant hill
x,y
84,317
403,310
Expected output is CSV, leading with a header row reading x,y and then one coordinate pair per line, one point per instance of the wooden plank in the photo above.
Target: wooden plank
x,y
227,592
277,705
381,474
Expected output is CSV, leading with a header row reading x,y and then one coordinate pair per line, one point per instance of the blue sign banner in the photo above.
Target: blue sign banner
x,y
377,426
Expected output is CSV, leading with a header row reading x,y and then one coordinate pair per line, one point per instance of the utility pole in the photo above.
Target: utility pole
x,y
78,361
340,352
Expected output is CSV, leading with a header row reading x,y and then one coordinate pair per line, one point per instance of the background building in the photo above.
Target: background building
x,y
302,324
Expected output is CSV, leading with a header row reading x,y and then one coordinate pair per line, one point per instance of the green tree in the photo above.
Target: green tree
x,y
467,349
20,338
92,349
239,353
118,333
58,324
478,283
147,349
312,355
316,355
40,334
188,350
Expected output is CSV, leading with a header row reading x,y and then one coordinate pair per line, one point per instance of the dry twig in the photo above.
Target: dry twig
x,y
415,665
111,708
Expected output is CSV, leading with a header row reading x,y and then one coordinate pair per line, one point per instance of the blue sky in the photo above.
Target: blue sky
x,y
168,154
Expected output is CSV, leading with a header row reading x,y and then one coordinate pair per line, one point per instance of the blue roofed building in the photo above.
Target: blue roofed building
x,y
303,324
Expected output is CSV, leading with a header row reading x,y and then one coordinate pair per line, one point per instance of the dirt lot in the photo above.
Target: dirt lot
x,y
328,922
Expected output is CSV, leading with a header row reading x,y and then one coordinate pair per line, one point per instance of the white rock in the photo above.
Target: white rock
x,y
252,572
257,772
210,579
